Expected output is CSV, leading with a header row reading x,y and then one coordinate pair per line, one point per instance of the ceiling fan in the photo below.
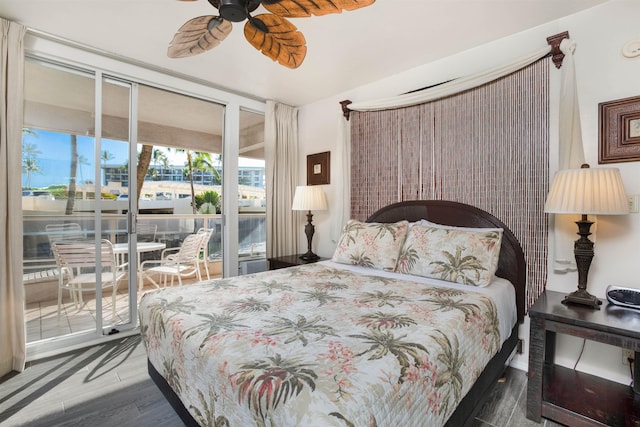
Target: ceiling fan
x,y
270,33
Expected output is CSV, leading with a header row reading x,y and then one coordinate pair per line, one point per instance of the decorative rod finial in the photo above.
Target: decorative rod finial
x,y
556,54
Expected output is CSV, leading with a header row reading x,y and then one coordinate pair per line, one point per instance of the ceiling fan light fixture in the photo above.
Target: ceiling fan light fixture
x,y
270,33
233,10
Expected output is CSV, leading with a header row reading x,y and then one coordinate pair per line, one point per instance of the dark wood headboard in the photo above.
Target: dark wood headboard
x,y
511,264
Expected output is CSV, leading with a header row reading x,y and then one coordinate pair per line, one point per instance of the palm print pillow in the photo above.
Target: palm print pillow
x,y
374,245
454,254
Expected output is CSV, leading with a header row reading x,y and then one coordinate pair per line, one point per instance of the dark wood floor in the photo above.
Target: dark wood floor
x,y
108,385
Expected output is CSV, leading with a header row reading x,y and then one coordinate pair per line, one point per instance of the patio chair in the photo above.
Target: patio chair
x,y
179,262
203,255
78,271
64,232
146,231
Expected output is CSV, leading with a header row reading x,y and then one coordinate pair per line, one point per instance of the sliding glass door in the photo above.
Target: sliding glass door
x,y
77,125
180,182
115,149
111,162
252,202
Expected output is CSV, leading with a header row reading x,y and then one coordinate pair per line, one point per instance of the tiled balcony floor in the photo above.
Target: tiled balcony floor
x,y
42,317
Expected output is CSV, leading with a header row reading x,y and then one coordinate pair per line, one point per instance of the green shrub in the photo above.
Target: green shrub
x,y
211,197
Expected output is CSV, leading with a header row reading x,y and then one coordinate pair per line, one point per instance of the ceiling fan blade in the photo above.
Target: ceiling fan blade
x,y
198,35
306,8
276,38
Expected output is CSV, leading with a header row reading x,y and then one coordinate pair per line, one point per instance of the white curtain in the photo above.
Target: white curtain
x,y
571,152
12,327
570,156
281,155
449,88
343,160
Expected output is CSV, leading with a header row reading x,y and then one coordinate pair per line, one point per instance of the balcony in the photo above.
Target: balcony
x,y
41,273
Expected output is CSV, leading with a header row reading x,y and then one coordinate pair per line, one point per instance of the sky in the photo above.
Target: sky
x,y
53,156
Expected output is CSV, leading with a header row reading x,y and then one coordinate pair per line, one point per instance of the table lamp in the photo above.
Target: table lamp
x,y
586,191
309,198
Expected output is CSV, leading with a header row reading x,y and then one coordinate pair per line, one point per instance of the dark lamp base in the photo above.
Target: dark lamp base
x,y
309,256
582,297
583,250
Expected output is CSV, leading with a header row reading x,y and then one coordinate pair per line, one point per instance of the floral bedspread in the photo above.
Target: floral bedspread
x,y
319,346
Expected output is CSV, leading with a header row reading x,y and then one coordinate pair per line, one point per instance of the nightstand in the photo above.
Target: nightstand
x,y
289,261
575,398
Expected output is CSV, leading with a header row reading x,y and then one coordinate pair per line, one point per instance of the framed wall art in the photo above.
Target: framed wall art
x,y
318,168
619,139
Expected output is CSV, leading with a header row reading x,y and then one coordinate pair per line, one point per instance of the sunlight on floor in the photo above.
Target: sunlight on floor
x,y
42,320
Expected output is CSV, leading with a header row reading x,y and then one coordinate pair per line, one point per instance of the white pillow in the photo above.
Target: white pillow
x,y
371,244
455,254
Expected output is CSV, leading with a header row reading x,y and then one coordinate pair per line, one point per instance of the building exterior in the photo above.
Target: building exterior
x,y
253,176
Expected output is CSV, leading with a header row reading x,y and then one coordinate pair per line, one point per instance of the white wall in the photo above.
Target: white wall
x,y
603,74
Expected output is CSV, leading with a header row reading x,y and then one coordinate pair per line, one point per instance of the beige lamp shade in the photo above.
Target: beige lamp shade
x,y
309,198
597,191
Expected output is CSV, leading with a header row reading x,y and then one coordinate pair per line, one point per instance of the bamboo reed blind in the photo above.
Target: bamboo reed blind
x,y
487,147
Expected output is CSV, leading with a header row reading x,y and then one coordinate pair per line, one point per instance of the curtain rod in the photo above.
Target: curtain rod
x,y
556,56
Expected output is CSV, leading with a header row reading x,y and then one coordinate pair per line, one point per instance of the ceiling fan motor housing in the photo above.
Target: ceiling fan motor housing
x,y
237,10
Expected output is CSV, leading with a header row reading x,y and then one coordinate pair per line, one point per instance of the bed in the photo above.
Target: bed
x,y
336,344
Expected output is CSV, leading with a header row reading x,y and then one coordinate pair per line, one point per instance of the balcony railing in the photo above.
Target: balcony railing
x,y
38,262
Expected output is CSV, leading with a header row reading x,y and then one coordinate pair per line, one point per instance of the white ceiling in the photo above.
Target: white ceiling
x,y
344,51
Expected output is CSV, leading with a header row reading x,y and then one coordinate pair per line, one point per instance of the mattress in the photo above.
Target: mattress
x,y
324,344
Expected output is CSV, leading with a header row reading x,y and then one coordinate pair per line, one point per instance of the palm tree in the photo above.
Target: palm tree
x,y
382,298
266,383
82,161
212,324
203,162
380,320
298,328
171,375
361,259
272,286
208,417
30,167
384,228
73,170
143,166
450,374
384,342
492,328
29,161
165,161
350,230
105,156
456,267
189,172
159,156
248,305
158,309
322,296
407,259
193,191
446,303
